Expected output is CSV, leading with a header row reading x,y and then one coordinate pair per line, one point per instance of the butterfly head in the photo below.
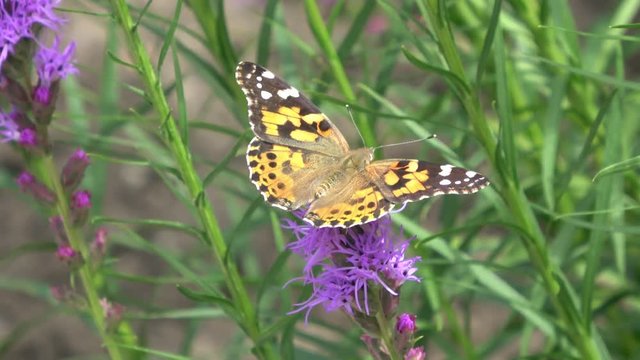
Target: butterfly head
x,y
360,158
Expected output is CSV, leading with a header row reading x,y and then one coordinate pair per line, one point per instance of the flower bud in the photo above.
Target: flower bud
x,y
73,171
29,184
416,353
112,313
28,138
406,323
68,255
99,244
44,102
80,206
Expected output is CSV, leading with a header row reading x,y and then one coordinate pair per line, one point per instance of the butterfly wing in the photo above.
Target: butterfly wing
x,y
403,180
357,201
280,114
287,176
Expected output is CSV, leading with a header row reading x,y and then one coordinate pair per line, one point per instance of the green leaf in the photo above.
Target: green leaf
x,y
206,298
182,118
551,136
455,81
488,40
169,36
619,167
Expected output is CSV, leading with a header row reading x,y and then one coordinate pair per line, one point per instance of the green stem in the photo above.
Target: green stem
x,y
523,216
386,333
239,295
44,165
323,38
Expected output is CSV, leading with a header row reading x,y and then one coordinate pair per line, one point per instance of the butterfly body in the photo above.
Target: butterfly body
x,y
299,160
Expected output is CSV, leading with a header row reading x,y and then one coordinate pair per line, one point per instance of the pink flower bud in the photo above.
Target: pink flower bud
x,y
416,353
73,171
99,244
80,205
406,323
66,254
29,184
112,312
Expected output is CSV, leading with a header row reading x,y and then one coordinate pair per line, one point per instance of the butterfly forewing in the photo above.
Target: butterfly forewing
x,y
280,114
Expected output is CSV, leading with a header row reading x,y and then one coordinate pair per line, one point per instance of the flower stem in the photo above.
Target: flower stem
x,y
45,167
386,332
174,141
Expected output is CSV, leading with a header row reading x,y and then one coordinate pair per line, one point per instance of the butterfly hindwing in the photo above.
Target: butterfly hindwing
x,y
280,114
403,180
273,168
356,202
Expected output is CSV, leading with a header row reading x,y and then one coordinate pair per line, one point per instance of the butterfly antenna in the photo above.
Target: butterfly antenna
x,y
432,136
354,122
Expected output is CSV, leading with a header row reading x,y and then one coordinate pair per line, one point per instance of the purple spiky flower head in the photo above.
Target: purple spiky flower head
x,y
20,19
352,262
52,64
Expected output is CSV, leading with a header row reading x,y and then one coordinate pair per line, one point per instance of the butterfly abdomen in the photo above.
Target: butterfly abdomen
x,y
328,184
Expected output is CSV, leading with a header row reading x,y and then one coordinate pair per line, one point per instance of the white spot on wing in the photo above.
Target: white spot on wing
x,y
445,182
259,85
470,173
293,92
276,205
258,78
265,95
446,170
268,74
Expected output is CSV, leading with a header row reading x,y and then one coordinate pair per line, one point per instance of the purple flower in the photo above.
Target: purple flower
x,y
34,12
353,261
406,323
9,130
52,65
17,20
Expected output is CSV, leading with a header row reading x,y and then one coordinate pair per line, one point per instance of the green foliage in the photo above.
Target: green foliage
x,y
539,265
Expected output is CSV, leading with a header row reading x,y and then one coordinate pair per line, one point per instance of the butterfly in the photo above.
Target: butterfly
x,y
298,159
